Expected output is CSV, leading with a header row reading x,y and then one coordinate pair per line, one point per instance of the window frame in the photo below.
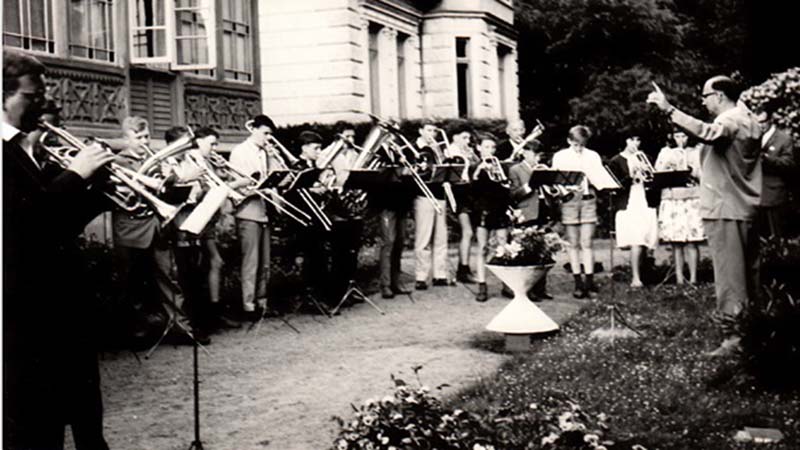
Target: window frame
x,y
113,34
211,38
250,44
49,13
170,28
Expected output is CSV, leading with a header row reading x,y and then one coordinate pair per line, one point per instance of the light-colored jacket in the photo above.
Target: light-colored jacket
x,y
730,187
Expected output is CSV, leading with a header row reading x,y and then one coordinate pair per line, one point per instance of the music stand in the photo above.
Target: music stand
x,y
366,180
175,194
549,177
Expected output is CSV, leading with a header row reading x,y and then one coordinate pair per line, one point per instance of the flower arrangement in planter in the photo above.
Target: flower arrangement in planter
x,y
528,246
520,263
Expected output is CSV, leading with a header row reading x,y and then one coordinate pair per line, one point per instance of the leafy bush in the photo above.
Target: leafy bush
x,y
768,328
415,419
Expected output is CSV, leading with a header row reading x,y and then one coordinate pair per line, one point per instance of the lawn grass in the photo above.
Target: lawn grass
x,y
660,390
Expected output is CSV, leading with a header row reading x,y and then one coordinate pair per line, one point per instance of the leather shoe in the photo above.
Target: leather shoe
x,y
729,347
483,294
421,285
507,292
399,290
440,282
579,293
544,296
387,292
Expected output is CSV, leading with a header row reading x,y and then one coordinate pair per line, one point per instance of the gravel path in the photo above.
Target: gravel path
x,y
274,388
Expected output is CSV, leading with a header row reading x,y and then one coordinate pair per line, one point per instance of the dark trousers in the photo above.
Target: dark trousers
x,y
313,246
772,221
45,391
345,244
393,233
193,279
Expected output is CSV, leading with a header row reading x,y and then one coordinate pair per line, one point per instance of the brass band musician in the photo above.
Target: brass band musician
x,y
490,205
253,157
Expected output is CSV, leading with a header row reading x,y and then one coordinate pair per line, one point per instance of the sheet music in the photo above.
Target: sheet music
x,y
600,177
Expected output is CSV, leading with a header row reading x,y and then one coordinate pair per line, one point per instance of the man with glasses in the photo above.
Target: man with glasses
x,y
730,192
50,372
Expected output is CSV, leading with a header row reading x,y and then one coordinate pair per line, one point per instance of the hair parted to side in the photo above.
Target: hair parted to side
x,y
263,120
175,133
202,132
580,134
486,137
309,137
16,65
727,85
134,123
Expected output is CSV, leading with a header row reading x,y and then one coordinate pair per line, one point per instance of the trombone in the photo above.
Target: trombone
x,y
394,130
295,214
289,161
127,200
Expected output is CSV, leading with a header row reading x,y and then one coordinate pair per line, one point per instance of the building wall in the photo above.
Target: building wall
x,y
311,60
316,67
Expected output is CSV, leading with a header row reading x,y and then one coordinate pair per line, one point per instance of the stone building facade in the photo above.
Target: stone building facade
x,y
329,60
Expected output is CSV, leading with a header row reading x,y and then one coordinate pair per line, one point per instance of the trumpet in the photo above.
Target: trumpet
x,y
495,171
129,199
296,214
644,171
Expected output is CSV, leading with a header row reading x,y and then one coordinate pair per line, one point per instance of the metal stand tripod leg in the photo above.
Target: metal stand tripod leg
x,y
197,444
257,324
352,289
308,296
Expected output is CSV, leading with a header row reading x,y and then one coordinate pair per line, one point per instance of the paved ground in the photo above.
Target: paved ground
x,y
278,389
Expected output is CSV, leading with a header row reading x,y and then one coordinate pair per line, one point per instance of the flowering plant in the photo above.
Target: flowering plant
x,y
415,419
781,92
528,246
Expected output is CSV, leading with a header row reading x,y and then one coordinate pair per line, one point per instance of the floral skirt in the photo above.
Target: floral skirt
x,y
679,221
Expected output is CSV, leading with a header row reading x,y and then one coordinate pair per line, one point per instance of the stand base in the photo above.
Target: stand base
x,y
196,445
257,324
518,342
353,290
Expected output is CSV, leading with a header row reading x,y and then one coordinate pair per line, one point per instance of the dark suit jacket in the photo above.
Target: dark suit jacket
x,y
49,356
779,167
527,202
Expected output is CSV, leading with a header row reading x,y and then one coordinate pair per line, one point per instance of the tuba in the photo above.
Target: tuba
x,y
129,189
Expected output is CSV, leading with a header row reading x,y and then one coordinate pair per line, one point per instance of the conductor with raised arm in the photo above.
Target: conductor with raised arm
x,y
730,192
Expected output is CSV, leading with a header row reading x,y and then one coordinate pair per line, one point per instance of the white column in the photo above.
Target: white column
x,y
512,85
363,69
493,96
387,65
414,106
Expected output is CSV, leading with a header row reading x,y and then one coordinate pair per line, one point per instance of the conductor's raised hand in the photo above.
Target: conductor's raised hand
x,y
658,98
88,160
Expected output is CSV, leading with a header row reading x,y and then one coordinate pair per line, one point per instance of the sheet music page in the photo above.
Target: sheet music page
x,y
600,177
